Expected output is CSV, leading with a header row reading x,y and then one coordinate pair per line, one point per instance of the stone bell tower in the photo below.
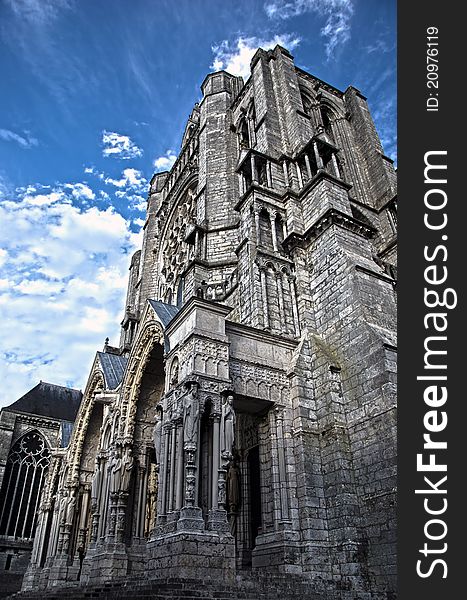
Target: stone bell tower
x,y
253,393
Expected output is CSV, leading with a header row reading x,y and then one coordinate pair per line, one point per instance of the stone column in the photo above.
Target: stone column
x,y
257,227
286,173
299,176
319,162
54,532
162,513
335,165
268,174
179,483
143,479
83,519
217,514
215,460
272,219
173,454
307,164
280,295
191,517
254,175
283,482
294,305
121,505
264,294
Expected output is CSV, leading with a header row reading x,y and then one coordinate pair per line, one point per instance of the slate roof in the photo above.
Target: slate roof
x,y
49,400
165,312
113,367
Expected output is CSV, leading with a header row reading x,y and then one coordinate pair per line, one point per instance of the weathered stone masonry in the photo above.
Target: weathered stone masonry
x,y
246,423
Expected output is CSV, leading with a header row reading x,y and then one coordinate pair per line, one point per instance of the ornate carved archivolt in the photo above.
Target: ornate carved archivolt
x,y
75,449
150,335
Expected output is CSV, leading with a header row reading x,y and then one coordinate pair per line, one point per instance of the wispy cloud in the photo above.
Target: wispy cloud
x,y
25,140
235,56
119,146
64,269
337,15
165,162
39,12
380,45
33,30
131,178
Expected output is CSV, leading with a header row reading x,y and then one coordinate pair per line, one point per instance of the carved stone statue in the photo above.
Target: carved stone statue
x,y
62,504
190,417
70,509
115,472
157,435
233,487
96,481
174,374
227,426
126,469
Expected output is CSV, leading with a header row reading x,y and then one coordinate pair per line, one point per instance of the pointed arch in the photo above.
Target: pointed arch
x,y
26,468
95,383
150,335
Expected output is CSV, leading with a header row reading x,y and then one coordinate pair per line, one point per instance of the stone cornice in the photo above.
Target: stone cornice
x,y
330,217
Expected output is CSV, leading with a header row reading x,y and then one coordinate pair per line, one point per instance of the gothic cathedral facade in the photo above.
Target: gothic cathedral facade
x,y
247,420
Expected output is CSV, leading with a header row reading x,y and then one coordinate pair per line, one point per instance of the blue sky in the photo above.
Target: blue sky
x,y
95,95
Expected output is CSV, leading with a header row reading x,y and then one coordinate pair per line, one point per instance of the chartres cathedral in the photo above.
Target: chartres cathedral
x,y
245,428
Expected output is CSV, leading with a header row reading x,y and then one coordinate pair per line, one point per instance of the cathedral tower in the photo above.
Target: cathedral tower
x,y
246,423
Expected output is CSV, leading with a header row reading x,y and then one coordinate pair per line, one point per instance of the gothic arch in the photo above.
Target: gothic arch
x,y
95,382
24,478
149,335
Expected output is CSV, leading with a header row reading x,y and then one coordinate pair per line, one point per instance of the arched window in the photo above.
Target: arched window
x,y
307,102
244,134
327,122
22,485
265,234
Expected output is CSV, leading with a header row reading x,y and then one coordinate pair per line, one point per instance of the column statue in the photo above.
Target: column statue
x,y
126,469
70,509
157,435
96,481
190,417
115,471
233,487
228,419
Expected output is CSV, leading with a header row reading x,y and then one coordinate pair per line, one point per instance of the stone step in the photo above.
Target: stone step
x,y
245,588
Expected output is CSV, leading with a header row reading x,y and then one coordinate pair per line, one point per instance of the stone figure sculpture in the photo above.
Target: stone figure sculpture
x,y
62,504
96,481
70,509
115,472
233,487
228,426
190,417
157,435
126,469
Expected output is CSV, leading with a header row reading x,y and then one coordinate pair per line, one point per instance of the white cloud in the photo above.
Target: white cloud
x,y
63,285
80,191
3,256
131,178
235,57
338,14
25,140
165,162
119,146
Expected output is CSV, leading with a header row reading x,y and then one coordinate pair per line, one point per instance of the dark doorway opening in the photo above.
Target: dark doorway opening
x,y
255,493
